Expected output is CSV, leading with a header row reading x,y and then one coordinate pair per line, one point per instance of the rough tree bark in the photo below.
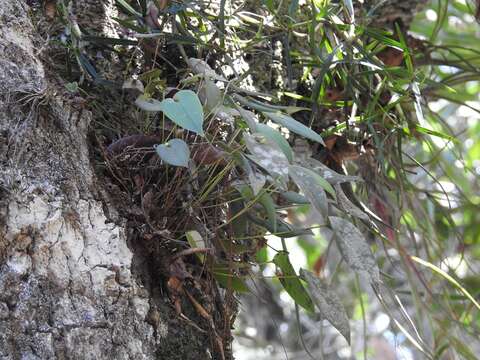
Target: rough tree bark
x,y
72,284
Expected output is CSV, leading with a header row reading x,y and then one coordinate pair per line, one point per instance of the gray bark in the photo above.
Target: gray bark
x,y
71,284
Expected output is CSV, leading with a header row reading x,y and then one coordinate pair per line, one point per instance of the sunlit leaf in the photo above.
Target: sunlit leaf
x,y
184,109
291,283
450,279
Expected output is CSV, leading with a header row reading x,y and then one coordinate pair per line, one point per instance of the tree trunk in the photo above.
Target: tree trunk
x,y
72,283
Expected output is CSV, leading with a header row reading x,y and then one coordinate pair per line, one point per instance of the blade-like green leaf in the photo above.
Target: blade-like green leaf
x,y
291,283
276,137
195,240
227,279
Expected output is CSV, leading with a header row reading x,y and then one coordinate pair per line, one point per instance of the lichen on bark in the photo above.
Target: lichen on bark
x,y
72,286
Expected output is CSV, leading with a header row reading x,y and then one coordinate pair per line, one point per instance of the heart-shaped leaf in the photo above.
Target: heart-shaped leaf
x,y
328,303
294,126
291,283
185,110
355,250
175,152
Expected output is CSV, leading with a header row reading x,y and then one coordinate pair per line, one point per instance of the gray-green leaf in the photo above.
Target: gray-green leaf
x,y
355,250
328,174
294,126
175,152
346,205
276,137
268,155
210,95
312,187
184,109
328,303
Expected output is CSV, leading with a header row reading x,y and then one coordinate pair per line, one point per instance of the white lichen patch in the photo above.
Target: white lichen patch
x,y
70,249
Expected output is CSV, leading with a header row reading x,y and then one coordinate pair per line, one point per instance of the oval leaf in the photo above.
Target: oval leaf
x,y
175,152
294,126
328,303
355,250
185,110
311,186
210,95
291,283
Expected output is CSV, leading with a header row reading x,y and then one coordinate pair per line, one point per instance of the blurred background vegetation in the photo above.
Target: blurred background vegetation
x,y
439,221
